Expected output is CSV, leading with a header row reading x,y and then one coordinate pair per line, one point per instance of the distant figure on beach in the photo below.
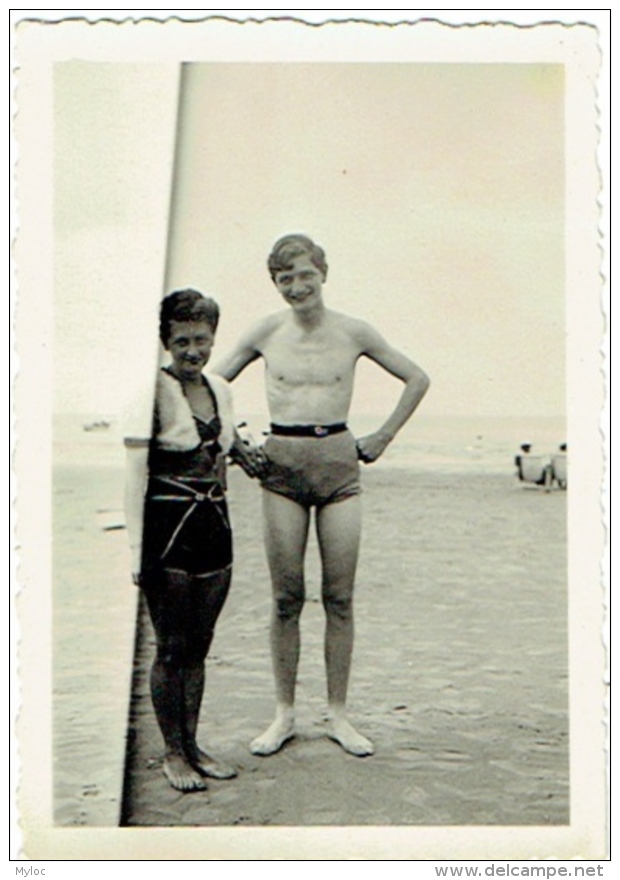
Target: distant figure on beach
x,y
524,450
310,353
178,527
558,464
534,469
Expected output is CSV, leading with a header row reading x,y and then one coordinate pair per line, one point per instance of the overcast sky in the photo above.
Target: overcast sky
x,y
437,191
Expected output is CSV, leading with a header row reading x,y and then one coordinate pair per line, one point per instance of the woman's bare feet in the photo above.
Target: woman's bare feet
x,y
342,732
181,775
208,766
279,731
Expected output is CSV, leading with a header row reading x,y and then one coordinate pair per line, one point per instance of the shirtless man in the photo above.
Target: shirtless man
x,y
310,354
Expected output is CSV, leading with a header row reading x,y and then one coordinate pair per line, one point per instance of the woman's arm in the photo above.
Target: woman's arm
x,y
136,475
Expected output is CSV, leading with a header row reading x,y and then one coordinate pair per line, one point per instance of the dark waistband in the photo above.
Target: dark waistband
x,y
308,430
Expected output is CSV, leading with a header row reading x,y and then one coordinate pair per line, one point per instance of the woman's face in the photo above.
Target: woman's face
x,y
190,344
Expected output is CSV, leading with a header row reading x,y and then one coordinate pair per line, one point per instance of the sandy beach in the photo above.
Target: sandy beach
x,y
93,626
459,672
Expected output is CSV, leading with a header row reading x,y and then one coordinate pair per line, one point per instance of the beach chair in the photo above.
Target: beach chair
x,y
535,469
558,468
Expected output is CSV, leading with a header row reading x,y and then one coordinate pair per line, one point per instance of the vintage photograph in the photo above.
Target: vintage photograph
x,y
315,366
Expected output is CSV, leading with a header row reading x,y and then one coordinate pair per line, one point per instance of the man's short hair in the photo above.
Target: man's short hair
x,y
186,305
286,249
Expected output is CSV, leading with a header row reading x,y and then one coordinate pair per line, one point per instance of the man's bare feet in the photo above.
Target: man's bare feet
x,y
181,775
342,732
278,732
208,766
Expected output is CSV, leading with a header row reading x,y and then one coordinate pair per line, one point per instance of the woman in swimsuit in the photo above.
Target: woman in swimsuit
x,y
179,529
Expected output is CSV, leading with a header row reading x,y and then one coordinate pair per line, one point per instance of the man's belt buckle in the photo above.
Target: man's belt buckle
x,y
321,431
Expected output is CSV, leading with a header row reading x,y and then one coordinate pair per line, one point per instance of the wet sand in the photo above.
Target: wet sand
x,y
459,672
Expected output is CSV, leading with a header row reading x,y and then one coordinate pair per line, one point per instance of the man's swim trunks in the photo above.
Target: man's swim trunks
x,y
312,465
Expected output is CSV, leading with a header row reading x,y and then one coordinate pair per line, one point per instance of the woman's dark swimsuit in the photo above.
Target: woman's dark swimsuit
x,y
186,525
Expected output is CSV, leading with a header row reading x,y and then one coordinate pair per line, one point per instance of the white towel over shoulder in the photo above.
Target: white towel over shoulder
x,y
177,430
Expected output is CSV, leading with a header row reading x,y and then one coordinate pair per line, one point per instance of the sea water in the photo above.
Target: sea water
x,y
438,443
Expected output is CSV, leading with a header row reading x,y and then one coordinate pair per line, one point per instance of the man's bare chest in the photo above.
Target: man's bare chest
x,y
321,359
